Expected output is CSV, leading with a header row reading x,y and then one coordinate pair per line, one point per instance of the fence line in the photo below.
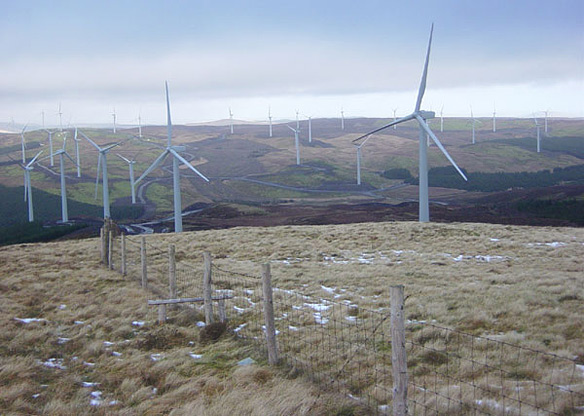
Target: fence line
x,y
348,348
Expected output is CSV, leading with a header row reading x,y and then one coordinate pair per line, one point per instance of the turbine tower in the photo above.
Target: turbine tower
x,y
270,118
132,184
60,113
114,117
421,116
545,121
297,144
538,128
473,121
358,147
139,126
78,161
394,118
62,153
27,186
342,119
176,158
297,121
230,120
51,147
23,145
309,128
102,160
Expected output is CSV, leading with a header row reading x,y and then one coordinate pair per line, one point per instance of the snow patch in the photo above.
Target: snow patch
x,y
195,356
55,363
30,320
138,323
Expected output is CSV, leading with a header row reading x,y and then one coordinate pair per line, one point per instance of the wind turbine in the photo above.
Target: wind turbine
x,y
309,128
102,160
76,140
131,166
60,120
545,121
494,119
62,153
114,116
23,144
297,144
421,116
43,119
297,121
51,147
27,186
473,121
139,126
176,158
359,146
270,117
342,119
538,128
230,120
442,119
394,118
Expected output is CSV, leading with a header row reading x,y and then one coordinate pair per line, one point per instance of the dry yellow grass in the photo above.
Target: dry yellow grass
x,y
519,284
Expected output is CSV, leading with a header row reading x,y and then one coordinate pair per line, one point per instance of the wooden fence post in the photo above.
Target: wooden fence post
x,y
269,314
207,288
123,270
222,312
110,251
398,352
171,271
161,314
144,266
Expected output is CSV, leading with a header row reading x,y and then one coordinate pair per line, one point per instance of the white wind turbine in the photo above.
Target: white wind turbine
x,y
139,126
297,121
342,119
538,128
102,161
473,121
359,146
114,117
270,118
76,140
421,116
23,144
494,119
309,128
132,184
27,185
62,153
176,158
230,120
51,147
296,143
60,113
545,121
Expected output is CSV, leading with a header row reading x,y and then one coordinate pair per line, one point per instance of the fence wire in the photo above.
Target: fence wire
x,y
455,373
347,348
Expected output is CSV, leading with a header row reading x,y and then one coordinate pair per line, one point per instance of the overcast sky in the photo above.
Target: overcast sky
x,y
366,56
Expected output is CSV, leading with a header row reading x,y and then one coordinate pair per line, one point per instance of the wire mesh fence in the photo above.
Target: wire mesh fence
x,y
346,347
455,373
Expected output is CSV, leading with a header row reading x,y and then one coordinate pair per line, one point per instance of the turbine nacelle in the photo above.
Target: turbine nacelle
x,y
427,115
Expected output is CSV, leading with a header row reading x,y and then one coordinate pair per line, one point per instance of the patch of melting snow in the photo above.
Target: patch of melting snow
x,y
108,343
240,327
201,324
156,357
553,244
30,320
55,363
89,384
61,340
248,292
61,307
34,396
330,290
78,322
88,364
264,329
238,309
95,398
195,356
351,318
581,368
317,306
138,323
292,328
319,319
116,354
494,404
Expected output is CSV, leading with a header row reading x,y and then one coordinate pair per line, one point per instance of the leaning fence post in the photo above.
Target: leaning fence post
x,y
269,314
398,352
171,272
110,247
207,288
143,259
123,270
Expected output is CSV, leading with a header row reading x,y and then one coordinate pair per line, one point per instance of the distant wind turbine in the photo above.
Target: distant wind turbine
x,y
176,158
342,119
296,143
131,166
309,128
23,144
297,121
62,153
545,121
28,167
60,113
538,128
473,121
114,117
421,116
78,161
139,126
51,147
494,119
230,120
394,118
102,160
270,118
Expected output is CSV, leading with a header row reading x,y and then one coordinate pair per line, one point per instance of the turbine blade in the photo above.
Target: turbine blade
x,y
187,164
122,157
294,130
97,174
364,141
398,121
110,146
34,159
90,141
424,74
168,120
153,166
430,133
70,158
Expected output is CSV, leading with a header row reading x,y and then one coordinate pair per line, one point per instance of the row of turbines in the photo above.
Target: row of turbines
x,y
421,116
